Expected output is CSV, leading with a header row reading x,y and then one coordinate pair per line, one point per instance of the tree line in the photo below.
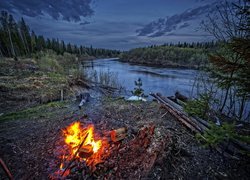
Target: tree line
x,y
180,54
16,39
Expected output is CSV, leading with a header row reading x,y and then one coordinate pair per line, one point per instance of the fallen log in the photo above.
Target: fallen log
x,y
241,145
86,151
181,97
177,111
205,123
175,114
233,147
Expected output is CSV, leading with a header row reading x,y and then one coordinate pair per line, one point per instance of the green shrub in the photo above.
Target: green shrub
x,y
217,134
47,61
138,91
198,107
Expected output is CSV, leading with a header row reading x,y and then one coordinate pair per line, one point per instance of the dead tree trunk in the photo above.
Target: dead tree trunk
x,y
11,43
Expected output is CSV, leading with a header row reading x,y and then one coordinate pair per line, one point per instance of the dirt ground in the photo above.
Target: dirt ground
x,y
27,144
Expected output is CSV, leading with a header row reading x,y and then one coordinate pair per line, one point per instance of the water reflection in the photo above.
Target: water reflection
x,y
164,80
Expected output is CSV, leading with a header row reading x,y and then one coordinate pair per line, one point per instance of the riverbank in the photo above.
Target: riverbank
x,y
28,143
168,56
43,78
160,64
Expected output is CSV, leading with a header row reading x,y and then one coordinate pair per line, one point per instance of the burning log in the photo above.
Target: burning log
x,y
86,151
84,145
75,155
118,134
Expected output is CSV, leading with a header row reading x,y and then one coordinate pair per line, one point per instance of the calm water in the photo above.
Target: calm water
x,y
155,79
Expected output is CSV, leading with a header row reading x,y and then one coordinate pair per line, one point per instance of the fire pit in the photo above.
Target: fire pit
x,y
83,147
86,153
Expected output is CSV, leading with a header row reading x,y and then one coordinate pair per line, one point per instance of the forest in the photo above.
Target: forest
x,y
18,40
189,55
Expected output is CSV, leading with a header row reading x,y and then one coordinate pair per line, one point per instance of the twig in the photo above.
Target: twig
x,y
164,114
73,159
6,170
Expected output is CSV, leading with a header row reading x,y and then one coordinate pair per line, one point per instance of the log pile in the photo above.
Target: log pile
x,y
234,148
127,159
135,158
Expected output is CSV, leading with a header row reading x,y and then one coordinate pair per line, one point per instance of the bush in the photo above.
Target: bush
x,y
217,134
138,91
47,61
198,107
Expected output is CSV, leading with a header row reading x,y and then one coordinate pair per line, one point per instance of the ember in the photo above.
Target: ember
x,y
84,146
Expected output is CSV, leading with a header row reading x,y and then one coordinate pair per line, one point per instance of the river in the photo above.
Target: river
x,y
154,79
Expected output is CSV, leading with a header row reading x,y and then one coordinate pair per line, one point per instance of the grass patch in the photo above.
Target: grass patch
x,y
37,111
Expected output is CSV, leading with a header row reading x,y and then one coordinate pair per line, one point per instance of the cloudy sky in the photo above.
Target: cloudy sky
x,y
115,24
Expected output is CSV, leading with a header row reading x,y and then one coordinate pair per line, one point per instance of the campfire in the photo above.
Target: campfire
x,y
84,146
82,152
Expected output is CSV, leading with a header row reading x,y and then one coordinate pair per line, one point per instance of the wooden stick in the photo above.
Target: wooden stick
x,y
180,111
6,170
178,115
73,159
189,126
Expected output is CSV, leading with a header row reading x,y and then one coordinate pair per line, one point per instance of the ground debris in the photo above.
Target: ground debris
x,y
155,147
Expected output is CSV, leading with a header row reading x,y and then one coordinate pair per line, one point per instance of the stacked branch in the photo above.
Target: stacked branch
x,y
197,125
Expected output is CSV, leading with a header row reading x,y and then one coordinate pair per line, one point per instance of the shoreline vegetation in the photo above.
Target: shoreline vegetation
x,y
181,55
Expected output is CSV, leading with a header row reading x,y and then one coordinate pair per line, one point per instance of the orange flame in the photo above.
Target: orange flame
x,y
93,147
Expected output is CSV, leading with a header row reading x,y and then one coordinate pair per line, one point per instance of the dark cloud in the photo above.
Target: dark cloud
x,y
184,25
69,10
162,26
84,23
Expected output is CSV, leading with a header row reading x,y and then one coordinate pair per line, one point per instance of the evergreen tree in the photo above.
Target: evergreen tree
x,y
25,35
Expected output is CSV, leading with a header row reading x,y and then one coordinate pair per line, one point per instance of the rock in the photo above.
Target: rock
x,y
136,98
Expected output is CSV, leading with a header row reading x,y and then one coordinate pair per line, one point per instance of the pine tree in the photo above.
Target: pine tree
x,y
25,35
230,64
